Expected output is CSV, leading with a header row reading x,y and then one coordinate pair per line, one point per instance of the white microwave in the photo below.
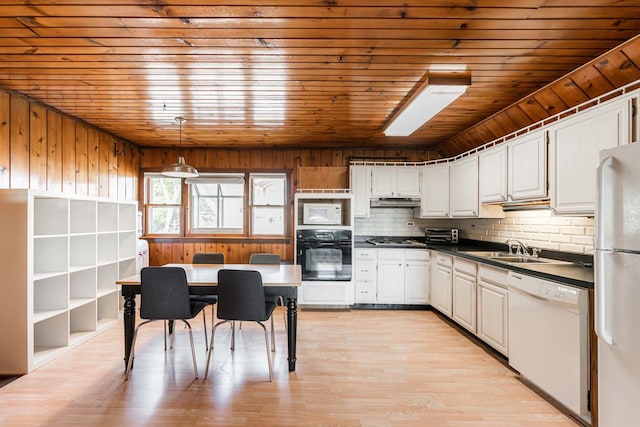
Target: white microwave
x,y
322,214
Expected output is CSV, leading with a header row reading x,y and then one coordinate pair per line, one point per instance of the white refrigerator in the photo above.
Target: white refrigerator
x,y
617,286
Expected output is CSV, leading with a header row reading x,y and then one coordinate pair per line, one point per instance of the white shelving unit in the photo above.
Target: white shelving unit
x,y
60,258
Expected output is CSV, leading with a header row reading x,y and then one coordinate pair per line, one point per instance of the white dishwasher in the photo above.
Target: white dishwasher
x,y
549,338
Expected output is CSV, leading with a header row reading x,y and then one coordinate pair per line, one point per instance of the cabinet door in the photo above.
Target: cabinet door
x,y
493,316
365,272
383,181
361,188
574,146
464,300
527,167
416,277
434,202
492,175
441,295
408,181
390,276
464,187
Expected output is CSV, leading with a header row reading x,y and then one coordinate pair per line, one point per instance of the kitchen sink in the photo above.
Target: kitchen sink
x,y
510,258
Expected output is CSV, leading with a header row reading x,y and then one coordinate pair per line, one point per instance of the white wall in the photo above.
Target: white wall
x,y
538,228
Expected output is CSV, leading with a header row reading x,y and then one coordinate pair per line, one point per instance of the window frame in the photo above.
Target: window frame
x,y
148,206
247,234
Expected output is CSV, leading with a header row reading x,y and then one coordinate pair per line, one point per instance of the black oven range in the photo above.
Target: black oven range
x,y
325,254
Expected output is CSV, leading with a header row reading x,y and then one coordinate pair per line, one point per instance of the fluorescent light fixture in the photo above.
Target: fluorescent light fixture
x,y
426,103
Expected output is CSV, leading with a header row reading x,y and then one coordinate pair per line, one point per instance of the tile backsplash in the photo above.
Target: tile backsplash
x,y
538,228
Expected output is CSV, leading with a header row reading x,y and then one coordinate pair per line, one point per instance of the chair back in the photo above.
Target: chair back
x,y
241,296
208,258
164,293
261,258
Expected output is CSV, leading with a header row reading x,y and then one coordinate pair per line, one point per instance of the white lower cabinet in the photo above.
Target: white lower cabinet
x,y
441,284
464,293
366,261
416,276
493,308
391,276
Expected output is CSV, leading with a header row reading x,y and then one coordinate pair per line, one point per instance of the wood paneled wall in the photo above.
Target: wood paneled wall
x,y
44,149
180,250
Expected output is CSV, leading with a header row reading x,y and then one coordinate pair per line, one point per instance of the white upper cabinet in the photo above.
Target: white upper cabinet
x,y
464,187
574,146
395,181
492,173
360,183
527,166
434,202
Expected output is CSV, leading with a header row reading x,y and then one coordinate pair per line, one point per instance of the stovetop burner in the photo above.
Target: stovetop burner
x,y
400,241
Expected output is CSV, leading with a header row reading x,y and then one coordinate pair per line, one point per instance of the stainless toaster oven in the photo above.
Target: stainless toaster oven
x,y
441,235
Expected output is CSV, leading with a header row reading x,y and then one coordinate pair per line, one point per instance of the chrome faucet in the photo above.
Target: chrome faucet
x,y
522,248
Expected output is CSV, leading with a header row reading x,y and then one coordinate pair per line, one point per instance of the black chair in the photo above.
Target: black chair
x,y
212,298
164,295
241,298
273,294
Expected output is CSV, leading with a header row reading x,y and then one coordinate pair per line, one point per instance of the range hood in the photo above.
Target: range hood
x,y
385,202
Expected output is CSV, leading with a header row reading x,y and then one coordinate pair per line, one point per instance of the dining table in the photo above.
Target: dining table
x,y
203,280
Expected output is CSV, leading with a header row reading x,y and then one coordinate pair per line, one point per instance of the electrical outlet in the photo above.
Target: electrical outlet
x,y
410,224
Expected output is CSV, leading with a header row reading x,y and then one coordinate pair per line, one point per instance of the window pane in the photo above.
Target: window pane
x,y
232,189
232,213
164,190
207,215
164,220
268,220
268,190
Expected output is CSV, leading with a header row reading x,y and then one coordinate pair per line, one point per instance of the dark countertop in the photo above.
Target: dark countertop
x,y
575,273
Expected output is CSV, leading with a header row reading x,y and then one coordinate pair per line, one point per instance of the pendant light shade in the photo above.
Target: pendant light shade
x,y
180,169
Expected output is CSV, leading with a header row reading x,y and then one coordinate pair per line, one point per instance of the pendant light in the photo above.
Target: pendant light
x,y
180,169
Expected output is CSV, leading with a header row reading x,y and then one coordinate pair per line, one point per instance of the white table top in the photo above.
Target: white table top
x,y
207,274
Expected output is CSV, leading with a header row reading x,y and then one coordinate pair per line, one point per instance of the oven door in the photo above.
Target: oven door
x,y
324,261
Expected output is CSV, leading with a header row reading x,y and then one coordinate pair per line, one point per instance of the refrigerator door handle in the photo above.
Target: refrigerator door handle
x,y
600,240
601,306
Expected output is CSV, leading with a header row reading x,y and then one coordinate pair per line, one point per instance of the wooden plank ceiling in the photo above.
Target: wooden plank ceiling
x,y
312,73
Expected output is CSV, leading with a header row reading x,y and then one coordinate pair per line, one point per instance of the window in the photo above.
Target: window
x,y
163,198
233,204
217,203
267,204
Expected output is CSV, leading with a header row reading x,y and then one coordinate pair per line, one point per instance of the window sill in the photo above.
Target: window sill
x,y
217,239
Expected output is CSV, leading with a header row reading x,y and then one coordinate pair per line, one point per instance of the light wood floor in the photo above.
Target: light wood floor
x,y
358,368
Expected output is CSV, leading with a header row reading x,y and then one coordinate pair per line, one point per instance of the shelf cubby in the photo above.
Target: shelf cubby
x,y
50,296
127,268
127,244
83,318
50,254
82,250
51,333
82,284
107,276
108,308
107,216
82,216
50,216
107,248
127,217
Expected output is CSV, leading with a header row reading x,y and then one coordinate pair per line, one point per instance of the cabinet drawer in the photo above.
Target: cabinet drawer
x,y
390,254
416,255
365,291
365,271
365,254
496,276
445,260
464,266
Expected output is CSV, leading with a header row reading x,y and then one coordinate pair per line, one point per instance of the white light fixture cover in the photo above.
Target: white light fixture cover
x,y
426,104
180,169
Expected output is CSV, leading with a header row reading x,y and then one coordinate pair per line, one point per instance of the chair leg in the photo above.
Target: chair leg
x,y
284,311
233,335
213,335
266,340
133,347
165,335
193,349
273,337
204,322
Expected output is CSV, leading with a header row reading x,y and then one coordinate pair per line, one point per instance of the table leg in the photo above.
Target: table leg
x,y
129,324
292,322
